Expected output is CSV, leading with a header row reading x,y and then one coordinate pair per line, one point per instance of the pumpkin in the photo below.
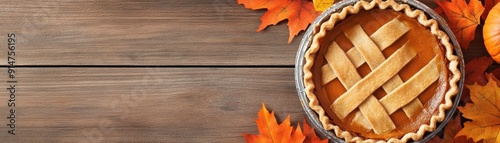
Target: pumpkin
x,y
491,33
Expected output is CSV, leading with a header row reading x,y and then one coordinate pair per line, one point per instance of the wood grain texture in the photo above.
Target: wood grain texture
x,y
146,104
152,32
77,81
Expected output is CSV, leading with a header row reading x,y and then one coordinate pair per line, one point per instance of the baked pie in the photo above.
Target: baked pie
x,y
380,71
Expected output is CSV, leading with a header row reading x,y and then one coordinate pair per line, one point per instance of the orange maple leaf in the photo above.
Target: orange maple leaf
x,y
462,18
484,113
297,136
488,4
299,13
270,131
311,135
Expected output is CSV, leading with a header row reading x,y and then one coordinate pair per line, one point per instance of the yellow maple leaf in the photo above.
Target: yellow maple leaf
x,y
322,5
484,111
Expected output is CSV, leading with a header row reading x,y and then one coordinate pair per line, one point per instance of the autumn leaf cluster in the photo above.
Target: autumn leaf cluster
x,y
463,18
478,119
482,109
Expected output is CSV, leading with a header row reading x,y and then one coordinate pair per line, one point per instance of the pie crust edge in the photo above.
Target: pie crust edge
x,y
432,24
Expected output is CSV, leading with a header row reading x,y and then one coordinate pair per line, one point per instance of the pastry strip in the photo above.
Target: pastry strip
x,y
376,116
416,84
374,112
389,33
365,46
394,29
355,58
374,57
354,96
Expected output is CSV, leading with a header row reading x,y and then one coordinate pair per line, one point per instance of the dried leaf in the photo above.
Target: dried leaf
x,y
474,73
462,18
297,136
474,70
435,139
488,4
484,113
452,128
271,131
322,5
439,11
496,73
311,135
299,13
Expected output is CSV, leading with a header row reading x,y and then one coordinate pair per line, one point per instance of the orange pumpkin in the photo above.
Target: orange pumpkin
x,y
491,33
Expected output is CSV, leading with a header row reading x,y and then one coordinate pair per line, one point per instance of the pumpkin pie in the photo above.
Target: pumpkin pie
x,y
380,71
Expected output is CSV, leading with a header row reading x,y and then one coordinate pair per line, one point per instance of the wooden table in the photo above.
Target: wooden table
x,y
145,71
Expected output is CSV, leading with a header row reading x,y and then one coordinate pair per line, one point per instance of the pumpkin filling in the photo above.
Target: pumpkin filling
x,y
380,74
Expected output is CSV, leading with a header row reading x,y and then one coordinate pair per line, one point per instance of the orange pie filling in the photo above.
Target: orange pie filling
x,y
380,74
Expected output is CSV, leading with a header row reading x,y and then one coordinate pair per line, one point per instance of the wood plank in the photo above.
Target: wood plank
x,y
145,104
153,32
174,32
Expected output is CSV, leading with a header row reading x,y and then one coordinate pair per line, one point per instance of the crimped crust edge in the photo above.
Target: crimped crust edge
x,y
422,19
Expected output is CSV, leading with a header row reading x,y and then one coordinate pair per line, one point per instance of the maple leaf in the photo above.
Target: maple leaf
x,y
271,132
488,4
439,11
299,13
311,135
496,73
435,139
474,70
462,18
322,5
452,128
297,136
484,113
474,73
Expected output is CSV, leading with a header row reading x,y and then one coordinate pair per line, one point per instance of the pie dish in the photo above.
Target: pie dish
x,y
380,71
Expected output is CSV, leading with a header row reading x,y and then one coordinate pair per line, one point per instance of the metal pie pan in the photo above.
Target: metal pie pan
x,y
306,42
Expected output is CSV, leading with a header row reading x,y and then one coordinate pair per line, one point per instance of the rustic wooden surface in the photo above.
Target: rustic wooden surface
x,y
146,71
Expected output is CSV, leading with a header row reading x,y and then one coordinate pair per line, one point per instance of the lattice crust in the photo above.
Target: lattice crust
x,y
374,113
